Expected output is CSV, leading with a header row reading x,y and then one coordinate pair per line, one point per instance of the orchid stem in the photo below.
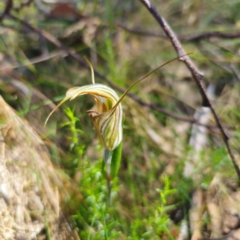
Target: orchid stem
x,y
107,161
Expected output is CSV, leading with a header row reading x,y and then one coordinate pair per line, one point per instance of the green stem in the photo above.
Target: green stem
x,y
107,161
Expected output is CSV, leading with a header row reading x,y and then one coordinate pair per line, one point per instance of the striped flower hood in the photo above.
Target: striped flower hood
x,y
106,114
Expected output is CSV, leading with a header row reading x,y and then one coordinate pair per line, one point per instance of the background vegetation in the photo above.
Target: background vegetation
x,y
151,195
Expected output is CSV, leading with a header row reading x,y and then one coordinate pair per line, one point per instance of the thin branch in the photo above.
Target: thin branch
x,y
196,74
51,39
82,62
193,38
41,58
208,35
22,5
139,31
6,10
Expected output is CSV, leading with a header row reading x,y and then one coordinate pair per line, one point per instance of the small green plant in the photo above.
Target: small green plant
x,y
94,217
75,132
76,147
159,223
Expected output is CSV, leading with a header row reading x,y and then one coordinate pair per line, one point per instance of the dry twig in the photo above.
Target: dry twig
x,y
6,10
22,5
192,38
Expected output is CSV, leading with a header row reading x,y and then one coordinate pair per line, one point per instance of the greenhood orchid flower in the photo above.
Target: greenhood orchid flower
x,y
106,113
